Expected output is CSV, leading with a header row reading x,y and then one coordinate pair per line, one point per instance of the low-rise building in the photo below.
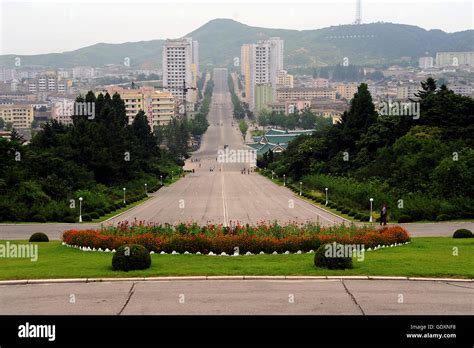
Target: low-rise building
x,y
346,90
159,106
275,140
284,80
20,115
305,93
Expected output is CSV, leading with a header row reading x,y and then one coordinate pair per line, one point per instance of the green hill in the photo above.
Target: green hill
x,y
220,41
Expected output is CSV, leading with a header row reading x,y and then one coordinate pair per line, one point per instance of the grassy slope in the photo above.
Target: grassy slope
x,y
429,257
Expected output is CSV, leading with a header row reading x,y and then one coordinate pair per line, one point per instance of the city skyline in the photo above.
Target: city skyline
x,y
81,27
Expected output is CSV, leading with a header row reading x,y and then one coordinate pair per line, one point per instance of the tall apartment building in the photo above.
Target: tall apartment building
x,y
261,63
180,62
425,62
284,80
159,106
454,59
245,69
20,115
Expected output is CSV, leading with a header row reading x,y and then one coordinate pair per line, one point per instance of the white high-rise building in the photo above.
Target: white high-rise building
x,y
276,59
265,61
425,62
180,67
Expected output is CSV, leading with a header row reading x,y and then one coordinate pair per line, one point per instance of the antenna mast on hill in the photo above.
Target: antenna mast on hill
x,y
358,19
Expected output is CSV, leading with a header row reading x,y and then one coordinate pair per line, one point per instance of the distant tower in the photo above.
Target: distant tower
x,y
358,20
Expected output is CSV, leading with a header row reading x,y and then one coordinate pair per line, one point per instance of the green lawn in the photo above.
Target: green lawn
x,y
428,257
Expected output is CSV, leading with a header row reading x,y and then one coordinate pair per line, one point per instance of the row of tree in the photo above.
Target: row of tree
x,y
430,155
305,119
94,157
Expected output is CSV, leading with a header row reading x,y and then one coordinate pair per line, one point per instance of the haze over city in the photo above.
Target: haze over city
x,y
80,23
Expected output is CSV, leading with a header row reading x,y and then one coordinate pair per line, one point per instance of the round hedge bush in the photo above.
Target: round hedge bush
x,y
95,215
69,219
38,237
443,217
404,218
131,257
86,217
358,216
38,218
345,210
100,212
462,233
365,218
352,213
325,258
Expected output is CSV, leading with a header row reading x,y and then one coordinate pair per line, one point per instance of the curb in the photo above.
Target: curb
x,y
200,278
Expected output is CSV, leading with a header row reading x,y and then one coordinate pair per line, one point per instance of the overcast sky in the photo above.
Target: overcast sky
x,y
32,27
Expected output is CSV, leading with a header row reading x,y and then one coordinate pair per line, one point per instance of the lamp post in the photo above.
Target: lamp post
x,y
80,209
272,174
284,180
326,189
370,218
301,187
146,191
124,189
172,175
161,180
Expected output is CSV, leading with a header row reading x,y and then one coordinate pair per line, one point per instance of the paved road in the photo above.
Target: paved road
x,y
333,296
223,195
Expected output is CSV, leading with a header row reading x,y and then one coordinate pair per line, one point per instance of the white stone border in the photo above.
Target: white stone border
x,y
248,253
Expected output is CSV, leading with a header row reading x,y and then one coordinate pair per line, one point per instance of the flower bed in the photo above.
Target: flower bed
x,y
219,239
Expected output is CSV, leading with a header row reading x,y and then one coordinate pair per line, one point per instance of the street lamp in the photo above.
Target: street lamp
x,y
172,175
301,187
80,209
146,191
161,180
272,174
326,189
370,218
284,180
124,189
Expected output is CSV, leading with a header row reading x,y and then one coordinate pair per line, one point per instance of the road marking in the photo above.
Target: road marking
x,y
224,207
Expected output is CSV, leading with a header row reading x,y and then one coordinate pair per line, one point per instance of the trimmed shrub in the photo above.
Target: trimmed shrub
x,y
358,216
352,213
38,218
131,257
69,219
86,217
100,212
95,215
404,218
345,210
462,233
326,257
443,217
365,218
38,237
